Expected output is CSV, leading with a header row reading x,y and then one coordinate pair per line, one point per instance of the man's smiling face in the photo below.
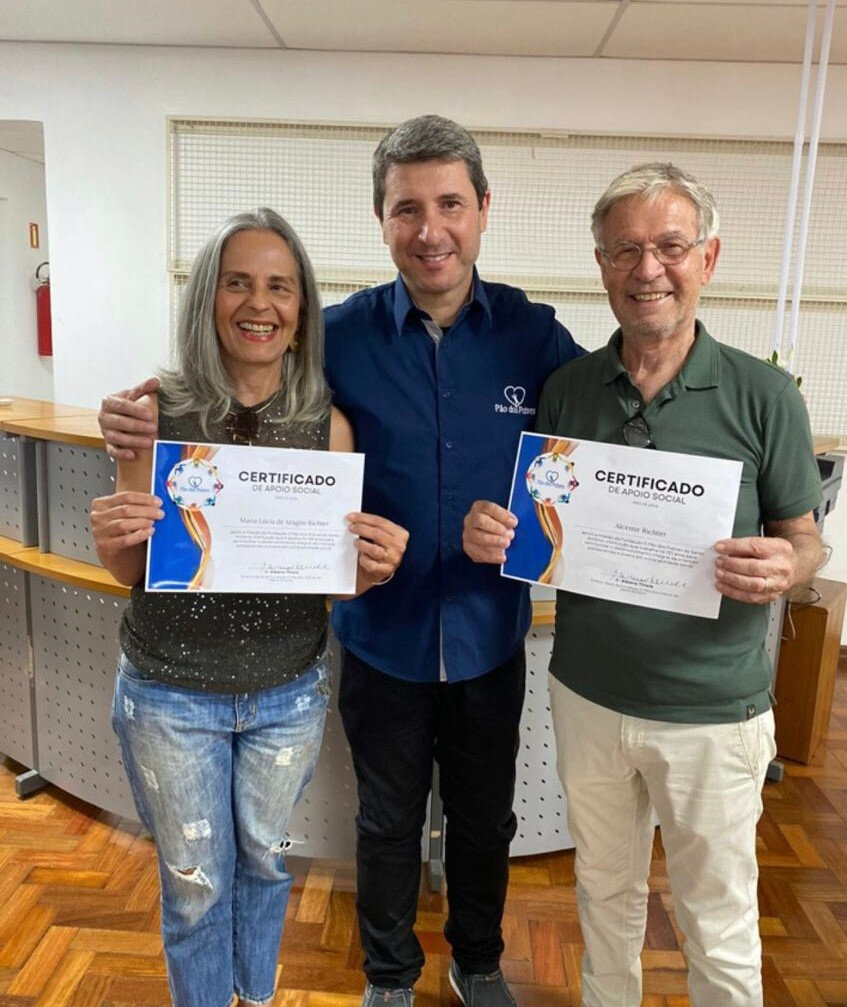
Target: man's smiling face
x,y
651,300
432,223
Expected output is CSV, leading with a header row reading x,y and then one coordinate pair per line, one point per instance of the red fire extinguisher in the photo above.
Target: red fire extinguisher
x,y
42,307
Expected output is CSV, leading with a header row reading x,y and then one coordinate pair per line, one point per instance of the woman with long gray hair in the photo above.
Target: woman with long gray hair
x,y
220,699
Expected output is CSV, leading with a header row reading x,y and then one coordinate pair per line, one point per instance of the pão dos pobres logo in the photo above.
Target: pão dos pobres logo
x,y
193,484
550,479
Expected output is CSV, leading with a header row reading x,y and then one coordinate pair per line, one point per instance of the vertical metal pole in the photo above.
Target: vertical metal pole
x,y
800,261
791,210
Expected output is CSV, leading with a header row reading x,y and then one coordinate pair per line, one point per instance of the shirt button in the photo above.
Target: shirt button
x,y
635,404
448,445
446,395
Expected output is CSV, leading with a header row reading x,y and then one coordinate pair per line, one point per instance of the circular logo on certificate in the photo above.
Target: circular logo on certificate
x,y
194,484
550,479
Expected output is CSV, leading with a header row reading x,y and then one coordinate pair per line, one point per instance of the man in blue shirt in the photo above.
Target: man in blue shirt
x,y
438,372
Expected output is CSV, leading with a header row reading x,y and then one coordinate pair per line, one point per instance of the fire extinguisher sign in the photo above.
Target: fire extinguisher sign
x,y
33,235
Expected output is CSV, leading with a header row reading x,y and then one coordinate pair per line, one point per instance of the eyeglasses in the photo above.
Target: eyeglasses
x,y
636,432
668,253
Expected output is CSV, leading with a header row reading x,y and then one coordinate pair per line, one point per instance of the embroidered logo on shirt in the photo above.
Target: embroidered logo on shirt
x,y
514,396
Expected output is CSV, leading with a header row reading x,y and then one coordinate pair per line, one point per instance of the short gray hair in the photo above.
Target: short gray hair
x,y
651,180
200,382
427,138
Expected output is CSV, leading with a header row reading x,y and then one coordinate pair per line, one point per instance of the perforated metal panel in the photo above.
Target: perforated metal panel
x,y
75,635
539,802
17,489
10,504
324,819
16,738
75,476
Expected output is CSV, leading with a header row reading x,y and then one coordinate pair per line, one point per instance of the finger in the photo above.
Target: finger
x,y
127,541
756,584
487,508
124,412
118,527
146,387
126,498
486,555
487,523
753,547
774,567
119,522
750,597
376,568
383,536
120,440
120,454
486,540
375,521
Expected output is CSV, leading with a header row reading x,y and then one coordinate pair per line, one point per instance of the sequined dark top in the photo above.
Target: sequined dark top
x,y
227,642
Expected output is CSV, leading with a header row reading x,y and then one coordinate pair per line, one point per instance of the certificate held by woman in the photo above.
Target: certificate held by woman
x,y
251,519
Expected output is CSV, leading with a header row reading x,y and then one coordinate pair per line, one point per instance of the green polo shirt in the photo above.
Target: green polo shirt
x,y
723,404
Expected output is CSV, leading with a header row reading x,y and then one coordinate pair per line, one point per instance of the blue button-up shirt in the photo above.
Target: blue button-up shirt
x,y
438,422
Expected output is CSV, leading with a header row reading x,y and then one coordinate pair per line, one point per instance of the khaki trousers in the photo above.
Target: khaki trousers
x,y
704,782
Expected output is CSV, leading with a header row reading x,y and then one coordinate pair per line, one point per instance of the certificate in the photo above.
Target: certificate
x,y
253,519
624,524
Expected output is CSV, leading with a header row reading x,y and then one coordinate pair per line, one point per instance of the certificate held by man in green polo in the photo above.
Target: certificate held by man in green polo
x,y
621,523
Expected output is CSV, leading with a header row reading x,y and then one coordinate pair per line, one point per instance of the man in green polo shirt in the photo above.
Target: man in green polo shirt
x,y
656,710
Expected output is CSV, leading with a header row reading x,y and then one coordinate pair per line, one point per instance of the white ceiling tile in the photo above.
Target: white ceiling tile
x,y
20,136
137,22
716,31
493,27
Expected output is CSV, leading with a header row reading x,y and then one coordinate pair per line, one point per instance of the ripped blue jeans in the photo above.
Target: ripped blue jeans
x,y
214,778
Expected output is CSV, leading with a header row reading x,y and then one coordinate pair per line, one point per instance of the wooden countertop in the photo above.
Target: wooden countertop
x,y
35,409
70,571
825,443
81,429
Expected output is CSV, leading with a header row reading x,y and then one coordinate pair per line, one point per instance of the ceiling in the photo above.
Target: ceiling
x,y
737,30
762,31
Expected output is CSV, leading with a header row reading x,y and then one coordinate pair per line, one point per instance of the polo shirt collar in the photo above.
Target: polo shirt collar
x,y
403,303
700,369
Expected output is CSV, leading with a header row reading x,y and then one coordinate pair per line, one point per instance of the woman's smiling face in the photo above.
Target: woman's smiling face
x,y
257,304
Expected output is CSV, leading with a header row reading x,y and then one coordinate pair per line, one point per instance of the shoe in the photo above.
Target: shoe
x,y
381,996
480,990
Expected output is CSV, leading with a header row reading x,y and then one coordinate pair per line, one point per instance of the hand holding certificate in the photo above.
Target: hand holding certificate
x,y
620,523
251,519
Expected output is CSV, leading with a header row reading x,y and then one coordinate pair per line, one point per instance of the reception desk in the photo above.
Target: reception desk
x,y
59,618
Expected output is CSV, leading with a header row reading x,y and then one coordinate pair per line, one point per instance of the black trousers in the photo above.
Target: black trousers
x,y
396,729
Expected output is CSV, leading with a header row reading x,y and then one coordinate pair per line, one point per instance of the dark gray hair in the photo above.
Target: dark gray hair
x,y
651,180
427,138
200,383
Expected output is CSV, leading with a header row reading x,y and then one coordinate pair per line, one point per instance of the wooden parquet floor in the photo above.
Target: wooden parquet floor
x,y
79,909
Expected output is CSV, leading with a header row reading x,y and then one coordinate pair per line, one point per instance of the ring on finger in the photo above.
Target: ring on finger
x,y
766,588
